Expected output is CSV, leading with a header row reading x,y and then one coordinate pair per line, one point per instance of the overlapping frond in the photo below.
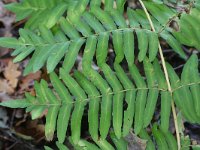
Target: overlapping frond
x,y
72,32
188,33
39,11
140,96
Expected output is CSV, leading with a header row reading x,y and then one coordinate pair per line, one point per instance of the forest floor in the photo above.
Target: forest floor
x,y
17,130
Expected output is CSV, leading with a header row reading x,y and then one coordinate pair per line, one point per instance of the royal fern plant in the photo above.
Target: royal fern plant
x,y
119,97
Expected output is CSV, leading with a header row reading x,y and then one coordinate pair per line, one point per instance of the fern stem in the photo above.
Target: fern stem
x,y
113,93
166,76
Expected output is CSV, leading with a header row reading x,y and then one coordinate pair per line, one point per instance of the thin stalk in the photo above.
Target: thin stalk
x,y
166,77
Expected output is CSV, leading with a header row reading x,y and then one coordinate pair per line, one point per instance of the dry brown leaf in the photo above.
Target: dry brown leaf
x,y
30,129
11,73
5,87
28,80
135,143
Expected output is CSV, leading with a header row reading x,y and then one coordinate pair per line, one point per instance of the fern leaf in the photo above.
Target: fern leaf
x,y
93,104
159,137
140,98
152,93
10,42
15,103
77,114
182,93
65,110
194,78
78,26
189,29
144,135
119,143
49,12
143,46
129,97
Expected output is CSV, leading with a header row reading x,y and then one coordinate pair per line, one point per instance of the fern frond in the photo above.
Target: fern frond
x,y
39,11
61,104
188,33
51,45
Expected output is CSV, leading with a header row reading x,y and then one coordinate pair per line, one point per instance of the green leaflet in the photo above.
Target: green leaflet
x,y
71,55
68,29
119,143
23,54
161,12
118,46
46,34
191,75
104,18
133,21
80,25
36,111
165,110
15,103
189,21
117,99
102,48
51,122
143,46
83,144
165,97
96,3
80,7
52,110
118,18
21,12
89,50
10,42
140,98
159,137
144,135
42,56
93,22
182,93
104,145
65,110
152,93
55,14
129,97
109,4
93,94
120,5
55,56
17,51
81,97
128,36
59,36
49,11
106,103
171,141
98,81
153,45
185,142
173,43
